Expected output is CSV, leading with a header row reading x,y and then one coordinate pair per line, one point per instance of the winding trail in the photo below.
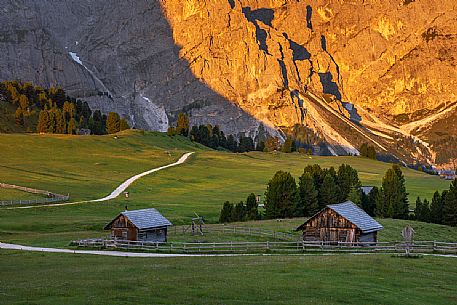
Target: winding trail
x,y
7,246
121,188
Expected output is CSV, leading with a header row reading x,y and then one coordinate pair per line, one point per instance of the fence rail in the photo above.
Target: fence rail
x,y
291,247
53,197
238,230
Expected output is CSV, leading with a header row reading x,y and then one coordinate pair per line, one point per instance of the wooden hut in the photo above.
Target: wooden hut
x,y
139,225
344,222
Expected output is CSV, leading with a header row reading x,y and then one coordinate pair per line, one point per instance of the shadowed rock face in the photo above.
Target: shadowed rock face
x,y
358,71
124,48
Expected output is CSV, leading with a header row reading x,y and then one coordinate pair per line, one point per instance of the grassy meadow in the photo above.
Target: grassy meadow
x,y
89,167
49,278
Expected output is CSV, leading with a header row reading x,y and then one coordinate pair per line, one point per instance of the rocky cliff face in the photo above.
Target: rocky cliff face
x,y
354,71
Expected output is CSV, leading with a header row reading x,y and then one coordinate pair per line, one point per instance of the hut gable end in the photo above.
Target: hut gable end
x,y
344,222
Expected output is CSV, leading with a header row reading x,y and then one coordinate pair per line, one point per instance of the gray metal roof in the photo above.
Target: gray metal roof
x,y
366,189
147,218
357,216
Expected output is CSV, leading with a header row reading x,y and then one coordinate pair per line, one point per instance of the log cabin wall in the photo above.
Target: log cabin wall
x,y
329,226
123,229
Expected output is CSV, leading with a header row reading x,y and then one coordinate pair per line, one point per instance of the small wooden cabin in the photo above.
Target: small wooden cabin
x,y
139,225
344,222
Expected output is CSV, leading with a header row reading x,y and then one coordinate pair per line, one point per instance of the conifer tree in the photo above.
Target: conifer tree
x,y
60,122
308,203
328,192
226,213
239,212
281,196
450,205
23,102
19,116
369,201
436,208
252,211
71,127
348,180
113,123
43,121
123,125
182,125
395,197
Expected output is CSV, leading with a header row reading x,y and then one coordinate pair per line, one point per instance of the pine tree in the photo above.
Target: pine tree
x,y
113,123
348,180
450,205
60,122
355,195
395,197
288,146
71,127
436,208
252,210
182,125
204,134
260,146
19,116
194,134
308,204
232,144
23,102
239,212
272,144
281,196
43,121
171,131
226,213
369,201
328,192
123,125
418,209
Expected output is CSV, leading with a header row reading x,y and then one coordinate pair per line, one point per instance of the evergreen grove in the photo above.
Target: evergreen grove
x,y
57,112
317,187
214,137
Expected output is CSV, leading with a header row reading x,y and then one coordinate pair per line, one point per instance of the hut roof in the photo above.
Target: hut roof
x,y
144,219
354,214
366,189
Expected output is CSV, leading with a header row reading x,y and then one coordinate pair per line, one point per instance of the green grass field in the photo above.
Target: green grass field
x,y
13,194
44,278
89,167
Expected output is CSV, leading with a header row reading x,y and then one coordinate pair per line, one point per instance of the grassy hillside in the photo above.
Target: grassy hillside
x,y
12,194
86,167
43,278
89,167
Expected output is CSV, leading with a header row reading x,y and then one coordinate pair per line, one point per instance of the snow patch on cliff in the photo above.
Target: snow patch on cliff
x,y
78,60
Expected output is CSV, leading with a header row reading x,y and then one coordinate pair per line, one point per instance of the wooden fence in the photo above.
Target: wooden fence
x,y
283,247
52,197
227,229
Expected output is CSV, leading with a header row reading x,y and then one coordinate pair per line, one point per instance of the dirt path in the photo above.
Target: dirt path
x,y
121,188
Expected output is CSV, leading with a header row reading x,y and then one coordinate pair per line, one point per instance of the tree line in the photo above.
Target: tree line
x,y
318,187
441,210
57,112
240,212
214,137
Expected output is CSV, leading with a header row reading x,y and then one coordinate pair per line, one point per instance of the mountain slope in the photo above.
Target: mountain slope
x,y
353,71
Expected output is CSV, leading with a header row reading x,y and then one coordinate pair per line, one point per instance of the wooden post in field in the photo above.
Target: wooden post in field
x,y
408,234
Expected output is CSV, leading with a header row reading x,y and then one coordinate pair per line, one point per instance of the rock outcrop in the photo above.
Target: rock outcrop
x,y
353,71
